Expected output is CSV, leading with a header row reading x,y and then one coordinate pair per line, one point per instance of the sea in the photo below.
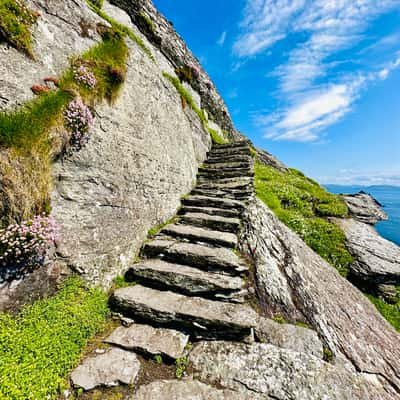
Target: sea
x,y
389,197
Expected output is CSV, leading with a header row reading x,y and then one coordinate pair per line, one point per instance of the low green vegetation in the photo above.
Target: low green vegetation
x,y
16,20
158,359
187,99
146,22
120,282
42,344
122,29
180,366
391,312
303,205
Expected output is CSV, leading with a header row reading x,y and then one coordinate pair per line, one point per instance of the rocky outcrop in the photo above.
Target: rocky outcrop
x,y
376,260
294,281
275,373
161,33
364,208
268,159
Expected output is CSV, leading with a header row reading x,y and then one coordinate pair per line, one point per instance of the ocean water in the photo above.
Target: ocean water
x,y
389,197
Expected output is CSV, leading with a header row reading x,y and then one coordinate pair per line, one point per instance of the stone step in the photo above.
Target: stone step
x,y
228,158
196,255
214,222
190,281
201,317
223,165
222,212
223,185
242,150
147,340
238,195
218,174
210,201
200,235
239,143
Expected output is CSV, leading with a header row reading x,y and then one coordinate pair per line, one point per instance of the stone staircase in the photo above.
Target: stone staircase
x,y
191,282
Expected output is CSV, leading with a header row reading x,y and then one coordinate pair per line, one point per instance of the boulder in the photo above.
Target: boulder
x,y
277,373
292,279
109,369
364,208
288,336
376,260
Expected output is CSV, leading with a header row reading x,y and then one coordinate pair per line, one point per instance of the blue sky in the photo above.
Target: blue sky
x,y
315,82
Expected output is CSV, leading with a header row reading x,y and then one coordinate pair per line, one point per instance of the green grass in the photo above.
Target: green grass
x,y
185,95
302,205
155,229
21,128
124,30
41,345
15,22
391,312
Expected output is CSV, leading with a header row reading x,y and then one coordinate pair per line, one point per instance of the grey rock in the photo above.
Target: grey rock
x,y
108,369
268,159
246,163
196,255
388,292
201,235
227,158
222,174
377,260
277,373
289,337
186,280
215,222
204,318
187,389
309,287
222,212
364,208
233,194
145,338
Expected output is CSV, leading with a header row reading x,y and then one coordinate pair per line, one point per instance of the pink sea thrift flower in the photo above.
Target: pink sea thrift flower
x,y
84,76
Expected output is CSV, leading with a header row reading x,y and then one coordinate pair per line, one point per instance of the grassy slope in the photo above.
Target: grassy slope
x,y
302,205
43,343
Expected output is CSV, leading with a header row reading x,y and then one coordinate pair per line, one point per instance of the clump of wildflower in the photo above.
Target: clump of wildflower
x,y
78,120
84,76
24,246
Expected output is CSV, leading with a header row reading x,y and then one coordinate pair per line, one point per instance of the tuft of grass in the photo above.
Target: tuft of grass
x,y
41,345
279,319
120,282
122,29
180,366
21,128
107,60
155,229
391,312
187,99
146,22
16,20
302,205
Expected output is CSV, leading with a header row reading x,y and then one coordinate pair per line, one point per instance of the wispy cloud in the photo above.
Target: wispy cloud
x,y
363,178
313,89
221,39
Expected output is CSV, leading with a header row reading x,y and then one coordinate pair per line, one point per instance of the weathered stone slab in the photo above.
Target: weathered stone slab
x,y
203,235
289,337
215,222
343,317
188,389
187,280
108,369
208,201
364,208
196,255
220,174
145,338
204,318
377,260
227,158
234,194
280,373
222,212
246,163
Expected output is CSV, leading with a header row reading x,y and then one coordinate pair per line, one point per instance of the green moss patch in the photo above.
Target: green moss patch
x,y
42,344
16,20
302,205
391,312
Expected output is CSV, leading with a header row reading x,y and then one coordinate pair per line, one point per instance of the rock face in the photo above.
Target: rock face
x,y
294,281
281,374
377,260
290,337
268,159
108,369
364,208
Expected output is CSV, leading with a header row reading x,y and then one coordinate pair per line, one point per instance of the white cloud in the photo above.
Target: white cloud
x,y
222,38
362,178
324,28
